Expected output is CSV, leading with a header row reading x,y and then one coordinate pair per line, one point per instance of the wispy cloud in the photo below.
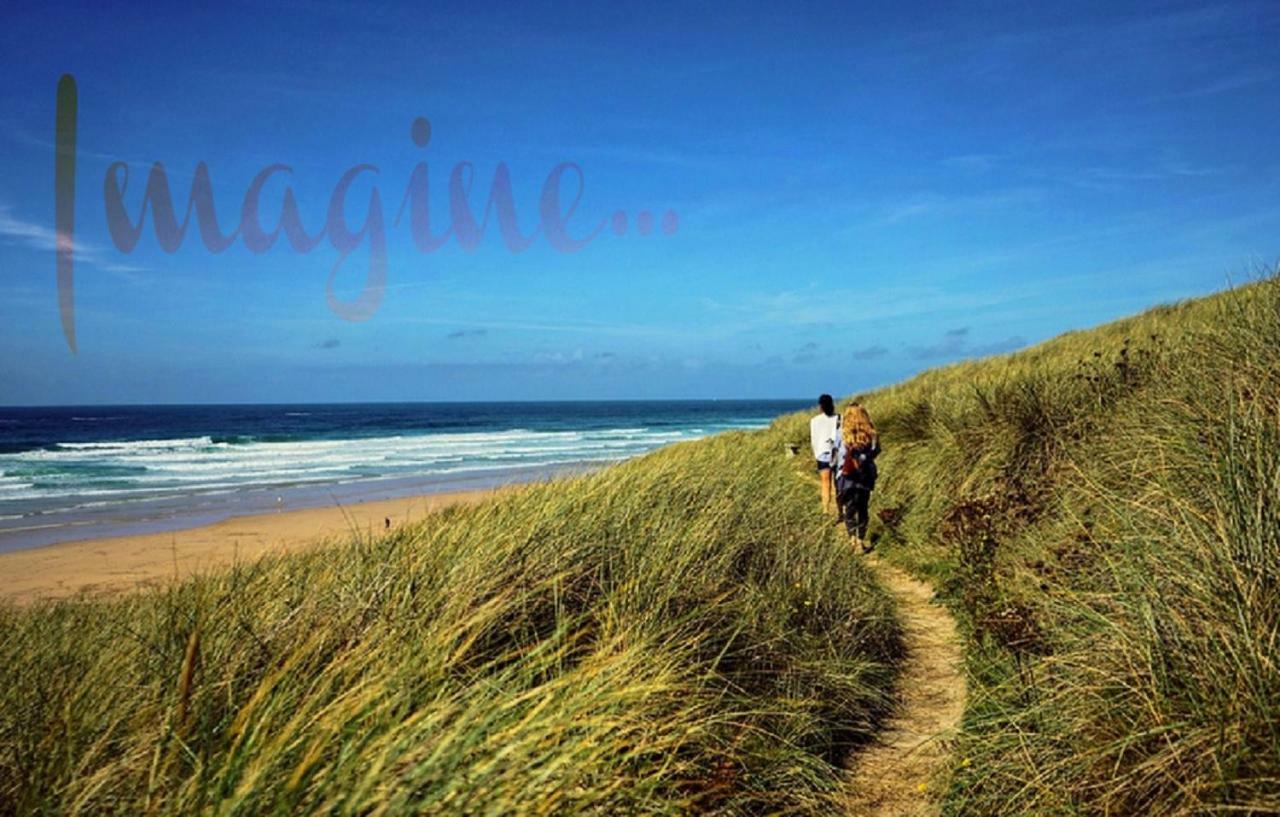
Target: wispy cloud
x,y
1167,169
972,163
1225,84
955,343
1116,41
808,353
997,347
933,204
870,352
559,358
38,237
813,307
600,328
952,343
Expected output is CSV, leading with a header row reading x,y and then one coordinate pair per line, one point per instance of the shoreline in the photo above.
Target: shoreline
x,y
113,565
170,514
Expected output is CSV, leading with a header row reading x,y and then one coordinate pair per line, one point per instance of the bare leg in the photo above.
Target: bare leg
x,y
825,478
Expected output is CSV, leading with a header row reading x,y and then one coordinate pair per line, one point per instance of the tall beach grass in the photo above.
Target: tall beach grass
x,y
680,633
1103,512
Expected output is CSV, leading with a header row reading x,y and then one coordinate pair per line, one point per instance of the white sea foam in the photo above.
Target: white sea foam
x,y
88,474
133,445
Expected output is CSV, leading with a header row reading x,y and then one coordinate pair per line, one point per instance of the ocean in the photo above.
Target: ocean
x,y
71,473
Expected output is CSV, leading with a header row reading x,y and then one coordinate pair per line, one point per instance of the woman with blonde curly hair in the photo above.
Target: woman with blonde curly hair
x,y
856,474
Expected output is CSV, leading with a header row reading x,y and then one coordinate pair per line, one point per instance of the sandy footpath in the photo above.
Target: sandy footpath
x,y
125,563
900,775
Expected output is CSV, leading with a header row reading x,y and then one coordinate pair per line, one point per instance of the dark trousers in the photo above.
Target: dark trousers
x,y
853,506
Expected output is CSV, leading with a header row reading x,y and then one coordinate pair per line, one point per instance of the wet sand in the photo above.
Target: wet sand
x,y
123,563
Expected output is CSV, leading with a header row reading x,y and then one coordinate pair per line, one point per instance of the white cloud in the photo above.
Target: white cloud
x,y
939,204
38,237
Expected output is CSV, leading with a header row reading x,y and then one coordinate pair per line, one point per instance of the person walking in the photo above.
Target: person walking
x,y
856,472
824,438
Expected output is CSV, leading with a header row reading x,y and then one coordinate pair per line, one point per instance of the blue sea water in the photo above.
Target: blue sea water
x,y
82,472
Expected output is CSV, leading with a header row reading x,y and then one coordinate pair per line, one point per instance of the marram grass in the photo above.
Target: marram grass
x,y
680,633
1103,512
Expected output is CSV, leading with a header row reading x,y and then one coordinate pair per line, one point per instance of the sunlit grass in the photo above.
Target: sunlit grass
x,y
1103,511
683,632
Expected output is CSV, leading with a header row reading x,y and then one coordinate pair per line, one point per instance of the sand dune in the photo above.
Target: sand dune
x,y
124,563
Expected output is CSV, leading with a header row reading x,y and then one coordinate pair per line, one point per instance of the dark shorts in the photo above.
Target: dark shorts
x,y
823,465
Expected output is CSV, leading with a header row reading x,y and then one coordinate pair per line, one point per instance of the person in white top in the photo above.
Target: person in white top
x,y
824,437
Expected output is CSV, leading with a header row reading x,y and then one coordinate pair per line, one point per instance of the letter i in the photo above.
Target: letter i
x,y
64,198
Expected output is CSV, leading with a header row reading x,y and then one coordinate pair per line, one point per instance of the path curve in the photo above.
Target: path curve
x,y
899,774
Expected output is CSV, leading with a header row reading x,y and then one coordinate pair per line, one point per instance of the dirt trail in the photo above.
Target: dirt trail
x,y
897,775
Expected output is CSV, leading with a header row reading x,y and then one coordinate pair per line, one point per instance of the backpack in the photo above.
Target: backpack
x,y
859,465
851,462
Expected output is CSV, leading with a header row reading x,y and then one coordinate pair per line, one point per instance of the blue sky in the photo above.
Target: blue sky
x,y
862,192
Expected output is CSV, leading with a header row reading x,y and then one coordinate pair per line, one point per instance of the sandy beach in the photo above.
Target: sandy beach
x,y
124,563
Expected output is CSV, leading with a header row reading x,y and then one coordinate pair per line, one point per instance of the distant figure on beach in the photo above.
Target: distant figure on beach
x,y
856,472
824,437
